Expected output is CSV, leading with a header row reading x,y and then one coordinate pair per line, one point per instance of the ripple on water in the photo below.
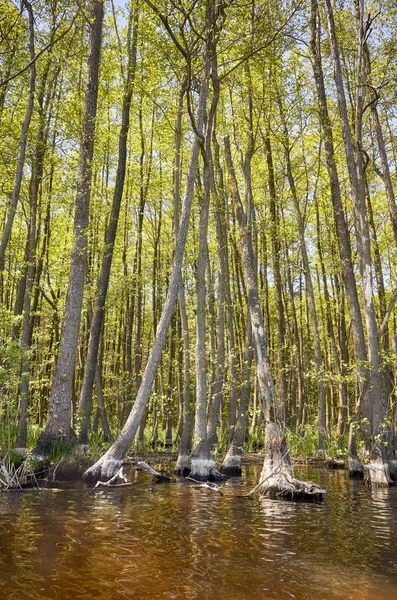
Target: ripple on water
x,y
176,541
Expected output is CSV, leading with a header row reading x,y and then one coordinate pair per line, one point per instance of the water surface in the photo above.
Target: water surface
x,y
174,541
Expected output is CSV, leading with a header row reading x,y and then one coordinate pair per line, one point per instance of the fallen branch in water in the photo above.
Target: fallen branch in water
x,y
209,485
119,475
160,478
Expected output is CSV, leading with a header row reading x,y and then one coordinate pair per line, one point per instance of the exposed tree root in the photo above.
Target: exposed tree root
x,y
104,469
277,479
204,469
281,484
110,483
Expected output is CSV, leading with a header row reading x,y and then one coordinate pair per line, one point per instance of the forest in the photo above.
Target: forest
x,y
199,234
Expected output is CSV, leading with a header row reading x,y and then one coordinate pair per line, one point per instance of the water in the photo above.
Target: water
x,y
172,541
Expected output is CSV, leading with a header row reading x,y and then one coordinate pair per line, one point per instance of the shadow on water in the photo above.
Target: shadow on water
x,y
175,541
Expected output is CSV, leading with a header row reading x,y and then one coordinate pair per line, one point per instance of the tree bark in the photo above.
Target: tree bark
x,y
58,427
85,399
376,400
23,140
111,461
276,476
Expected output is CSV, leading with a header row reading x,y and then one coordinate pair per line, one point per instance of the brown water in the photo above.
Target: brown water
x,y
174,541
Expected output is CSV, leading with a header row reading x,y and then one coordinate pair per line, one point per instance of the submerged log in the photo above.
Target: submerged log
x,y
277,478
160,478
209,485
336,463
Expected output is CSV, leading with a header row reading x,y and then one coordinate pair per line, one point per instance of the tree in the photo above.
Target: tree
x,y
108,465
58,426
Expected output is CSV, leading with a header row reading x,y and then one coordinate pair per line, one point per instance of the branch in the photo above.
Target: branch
x,y
143,465
46,47
207,485
166,24
386,318
119,474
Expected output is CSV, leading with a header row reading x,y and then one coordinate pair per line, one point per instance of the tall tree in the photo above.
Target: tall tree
x,y
110,462
110,236
376,399
58,426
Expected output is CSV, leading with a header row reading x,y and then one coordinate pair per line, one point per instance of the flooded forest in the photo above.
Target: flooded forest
x,y
198,286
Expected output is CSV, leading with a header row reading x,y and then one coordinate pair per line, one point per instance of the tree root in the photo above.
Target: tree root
x,y
281,484
110,483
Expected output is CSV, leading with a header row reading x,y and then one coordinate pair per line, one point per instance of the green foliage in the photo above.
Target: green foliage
x,y
16,474
303,443
255,441
250,91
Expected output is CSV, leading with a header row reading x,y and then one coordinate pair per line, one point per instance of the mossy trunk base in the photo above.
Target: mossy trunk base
x,y
49,441
376,472
104,469
232,465
355,468
182,467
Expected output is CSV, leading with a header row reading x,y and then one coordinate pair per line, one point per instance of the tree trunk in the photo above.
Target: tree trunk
x,y
341,228
202,464
111,461
85,399
276,476
310,293
224,277
376,471
23,140
58,427
231,465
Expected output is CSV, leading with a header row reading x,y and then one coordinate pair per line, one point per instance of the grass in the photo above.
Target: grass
x,y
14,476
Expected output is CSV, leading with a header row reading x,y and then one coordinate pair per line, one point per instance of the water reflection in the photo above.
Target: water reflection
x,y
176,541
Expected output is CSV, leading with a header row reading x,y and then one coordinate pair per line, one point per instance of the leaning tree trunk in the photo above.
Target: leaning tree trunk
x,y
182,466
58,427
277,476
85,399
108,465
